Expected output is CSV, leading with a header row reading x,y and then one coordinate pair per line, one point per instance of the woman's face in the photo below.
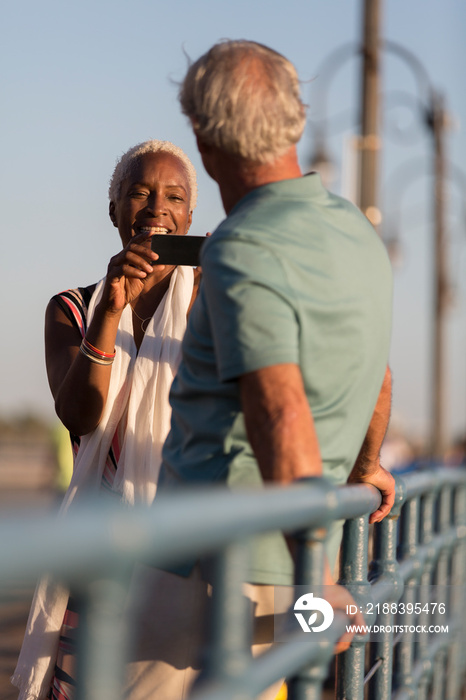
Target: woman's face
x,y
154,198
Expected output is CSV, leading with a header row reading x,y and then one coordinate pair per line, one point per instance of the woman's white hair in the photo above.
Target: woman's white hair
x,y
244,98
127,161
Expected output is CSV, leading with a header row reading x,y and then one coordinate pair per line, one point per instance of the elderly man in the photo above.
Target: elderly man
x,y
284,362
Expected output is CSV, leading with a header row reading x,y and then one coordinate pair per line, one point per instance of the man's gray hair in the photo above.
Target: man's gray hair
x,y
127,161
244,98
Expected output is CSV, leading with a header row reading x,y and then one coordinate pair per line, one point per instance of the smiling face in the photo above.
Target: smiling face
x,y
155,198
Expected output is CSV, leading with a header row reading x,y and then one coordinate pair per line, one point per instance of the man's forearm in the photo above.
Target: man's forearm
x,y
367,468
368,458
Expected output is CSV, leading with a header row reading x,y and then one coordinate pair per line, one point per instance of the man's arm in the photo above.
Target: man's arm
x,y
281,431
279,423
367,468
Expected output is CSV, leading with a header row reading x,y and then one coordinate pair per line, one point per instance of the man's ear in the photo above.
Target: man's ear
x,y
112,215
201,146
208,154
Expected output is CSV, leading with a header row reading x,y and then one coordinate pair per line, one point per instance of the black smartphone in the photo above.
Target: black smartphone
x,y
177,250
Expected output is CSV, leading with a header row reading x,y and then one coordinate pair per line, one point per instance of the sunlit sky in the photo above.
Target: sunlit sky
x,y
83,81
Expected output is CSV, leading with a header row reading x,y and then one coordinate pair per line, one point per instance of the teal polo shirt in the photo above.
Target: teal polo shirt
x,y
293,274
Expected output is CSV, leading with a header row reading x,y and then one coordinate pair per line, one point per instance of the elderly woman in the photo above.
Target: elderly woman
x,y
112,350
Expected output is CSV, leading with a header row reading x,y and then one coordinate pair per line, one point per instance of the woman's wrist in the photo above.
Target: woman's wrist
x,y
102,331
105,309
99,357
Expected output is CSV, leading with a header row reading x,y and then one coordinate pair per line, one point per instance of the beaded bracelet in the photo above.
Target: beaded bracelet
x,y
93,357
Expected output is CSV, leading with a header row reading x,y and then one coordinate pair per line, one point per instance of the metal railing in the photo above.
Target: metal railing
x,y
94,548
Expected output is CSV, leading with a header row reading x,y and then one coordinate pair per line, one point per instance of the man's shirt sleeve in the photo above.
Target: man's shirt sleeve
x,y
250,305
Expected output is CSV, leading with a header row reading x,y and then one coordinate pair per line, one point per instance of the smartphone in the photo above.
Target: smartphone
x,y
177,250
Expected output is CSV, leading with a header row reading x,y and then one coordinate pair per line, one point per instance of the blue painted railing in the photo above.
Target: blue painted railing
x,y
93,549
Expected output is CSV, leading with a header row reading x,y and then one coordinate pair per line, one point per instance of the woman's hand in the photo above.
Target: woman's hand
x,y
127,272
80,387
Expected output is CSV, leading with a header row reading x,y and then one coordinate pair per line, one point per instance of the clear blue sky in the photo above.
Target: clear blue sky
x,y
83,81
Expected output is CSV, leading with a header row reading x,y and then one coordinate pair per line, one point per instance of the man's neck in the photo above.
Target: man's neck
x,y
236,178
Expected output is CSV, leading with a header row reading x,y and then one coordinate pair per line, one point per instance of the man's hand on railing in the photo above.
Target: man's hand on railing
x,y
367,468
382,480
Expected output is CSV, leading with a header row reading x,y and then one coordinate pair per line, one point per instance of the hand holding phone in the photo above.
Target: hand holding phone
x,y
177,250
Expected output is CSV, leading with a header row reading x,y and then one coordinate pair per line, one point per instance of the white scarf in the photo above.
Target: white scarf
x,y
139,387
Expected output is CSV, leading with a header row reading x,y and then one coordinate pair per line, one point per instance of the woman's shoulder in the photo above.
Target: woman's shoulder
x,y
75,303
80,295
87,292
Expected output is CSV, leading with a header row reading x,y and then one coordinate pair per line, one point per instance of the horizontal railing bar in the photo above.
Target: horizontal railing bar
x,y
413,566
99,533
382,591
421,482
403,694
424,665
282,660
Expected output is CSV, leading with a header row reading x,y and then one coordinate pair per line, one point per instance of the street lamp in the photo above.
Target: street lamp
x,y
320,160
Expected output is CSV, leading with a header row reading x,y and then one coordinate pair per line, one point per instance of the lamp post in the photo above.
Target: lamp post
x,y
437,443
370,113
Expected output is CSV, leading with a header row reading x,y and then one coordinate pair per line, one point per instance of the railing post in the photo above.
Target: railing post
x,y
441,581
385,569
407,550
230,618
310,557
458,601
426,535
103,638
353,574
